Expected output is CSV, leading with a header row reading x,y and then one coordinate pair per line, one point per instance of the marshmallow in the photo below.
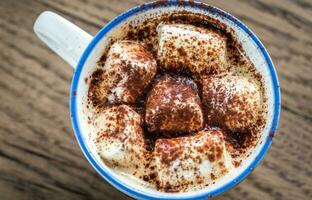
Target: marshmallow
x,y
189,161
120,140
200,50
174,105
233,102
128,69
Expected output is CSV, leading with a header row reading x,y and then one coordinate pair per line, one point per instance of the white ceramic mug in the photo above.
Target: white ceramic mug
x,y
82,51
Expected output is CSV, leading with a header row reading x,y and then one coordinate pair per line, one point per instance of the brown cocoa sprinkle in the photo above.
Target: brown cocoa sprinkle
x,y
181,51
237,163
153,176
168,150
236,139
94,93
146,178
212,176
271,135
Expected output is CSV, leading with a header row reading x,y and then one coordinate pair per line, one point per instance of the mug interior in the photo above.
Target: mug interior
x,y
78,100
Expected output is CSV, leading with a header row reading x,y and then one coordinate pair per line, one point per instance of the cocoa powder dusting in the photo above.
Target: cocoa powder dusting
x,y
178,122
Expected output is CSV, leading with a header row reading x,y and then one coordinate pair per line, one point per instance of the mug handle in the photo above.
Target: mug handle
x,y
63,37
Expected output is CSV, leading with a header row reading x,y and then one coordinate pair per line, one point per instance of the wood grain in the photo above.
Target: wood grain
x,y
39,156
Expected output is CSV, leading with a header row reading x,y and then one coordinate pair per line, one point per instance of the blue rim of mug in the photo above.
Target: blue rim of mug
x,y
197,5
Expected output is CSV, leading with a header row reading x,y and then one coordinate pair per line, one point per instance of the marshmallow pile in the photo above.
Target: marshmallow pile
x,y
173,105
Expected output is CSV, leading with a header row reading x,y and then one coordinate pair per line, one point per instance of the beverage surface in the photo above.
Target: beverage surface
x,y
177,103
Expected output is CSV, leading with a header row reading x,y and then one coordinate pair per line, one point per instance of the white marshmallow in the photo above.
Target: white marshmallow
x,y
128,69
200,50
235,100
174,105
185,162
120,140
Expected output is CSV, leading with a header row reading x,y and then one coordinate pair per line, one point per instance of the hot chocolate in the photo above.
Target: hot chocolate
x,y
177,103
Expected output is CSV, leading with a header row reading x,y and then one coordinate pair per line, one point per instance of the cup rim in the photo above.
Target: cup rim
x,y
144,7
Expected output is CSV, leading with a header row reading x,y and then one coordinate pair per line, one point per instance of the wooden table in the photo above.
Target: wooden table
x,y
39,156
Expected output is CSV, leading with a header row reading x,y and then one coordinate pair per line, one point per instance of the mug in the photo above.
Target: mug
x,y
82,51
